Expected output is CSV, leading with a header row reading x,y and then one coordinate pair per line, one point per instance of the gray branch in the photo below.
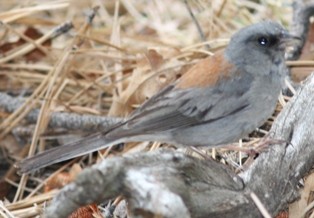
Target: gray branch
x,y
160,182
70,121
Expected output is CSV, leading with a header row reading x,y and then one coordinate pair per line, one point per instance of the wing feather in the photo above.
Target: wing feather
x,y
175,107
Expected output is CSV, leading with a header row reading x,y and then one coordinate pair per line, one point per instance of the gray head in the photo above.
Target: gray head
x,y
257,47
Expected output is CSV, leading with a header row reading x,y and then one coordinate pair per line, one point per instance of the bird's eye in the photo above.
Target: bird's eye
x,y
262,41
267,41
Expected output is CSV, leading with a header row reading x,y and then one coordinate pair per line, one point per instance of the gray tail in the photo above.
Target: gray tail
x,y
81,147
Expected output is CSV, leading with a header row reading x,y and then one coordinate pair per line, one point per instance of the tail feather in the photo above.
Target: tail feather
x,y
81,147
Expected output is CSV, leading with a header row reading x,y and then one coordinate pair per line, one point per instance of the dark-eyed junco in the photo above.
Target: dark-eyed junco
x,y
219,100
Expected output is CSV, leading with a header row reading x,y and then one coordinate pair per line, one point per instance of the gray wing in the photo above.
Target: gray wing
x,y
175,108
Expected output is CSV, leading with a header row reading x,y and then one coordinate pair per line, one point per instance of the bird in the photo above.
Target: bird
x,y
220,100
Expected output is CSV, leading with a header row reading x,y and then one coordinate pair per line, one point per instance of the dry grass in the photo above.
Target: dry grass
x,y
104,66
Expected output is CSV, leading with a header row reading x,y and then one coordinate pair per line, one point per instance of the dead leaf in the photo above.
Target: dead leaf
x,y
299,74
61,179
297,208
33,56
89,211
283,214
